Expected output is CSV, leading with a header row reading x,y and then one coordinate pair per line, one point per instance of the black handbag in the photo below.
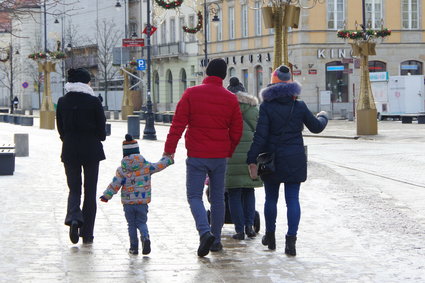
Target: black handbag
x,y
265,163
265,160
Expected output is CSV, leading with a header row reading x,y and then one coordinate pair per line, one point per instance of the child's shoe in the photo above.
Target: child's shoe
x,y
146,244
133,251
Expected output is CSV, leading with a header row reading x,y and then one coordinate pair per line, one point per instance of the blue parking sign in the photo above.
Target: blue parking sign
x,y
141,64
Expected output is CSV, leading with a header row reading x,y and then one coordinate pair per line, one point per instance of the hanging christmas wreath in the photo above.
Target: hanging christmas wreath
x,y
347,34
58,55
197,28
169,5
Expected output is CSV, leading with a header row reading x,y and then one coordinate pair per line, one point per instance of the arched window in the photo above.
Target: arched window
x,y
411,67
183,81
232,72
155,87
377,66
258,80
337,81
169,87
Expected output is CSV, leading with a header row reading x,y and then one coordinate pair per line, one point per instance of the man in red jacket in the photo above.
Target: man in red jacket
x,y
213,120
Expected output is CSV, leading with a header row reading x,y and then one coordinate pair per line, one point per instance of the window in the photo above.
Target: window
x,y
181,32
245,79
377,66
335,14
258,80
373,9
164,33
232,72
169,88
219,29
244,11
183,81
191,24
411,67
231,23
155,87
258,22
172,30
410,14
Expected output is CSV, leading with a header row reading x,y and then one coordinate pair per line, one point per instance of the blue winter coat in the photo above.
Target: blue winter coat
x,y
290,158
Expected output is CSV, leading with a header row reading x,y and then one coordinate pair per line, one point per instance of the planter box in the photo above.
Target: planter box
x,y
7,161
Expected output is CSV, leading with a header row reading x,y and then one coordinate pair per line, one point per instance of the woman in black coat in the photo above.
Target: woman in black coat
x,y
279,130
81,125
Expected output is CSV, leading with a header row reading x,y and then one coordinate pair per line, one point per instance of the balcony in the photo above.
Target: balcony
x,y
166,50
77,61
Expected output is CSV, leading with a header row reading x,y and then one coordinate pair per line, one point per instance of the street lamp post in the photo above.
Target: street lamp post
x,y
149,132
118,6
11,76
209,9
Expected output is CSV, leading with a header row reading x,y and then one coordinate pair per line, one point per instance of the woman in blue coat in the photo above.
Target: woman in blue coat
x,y
279,130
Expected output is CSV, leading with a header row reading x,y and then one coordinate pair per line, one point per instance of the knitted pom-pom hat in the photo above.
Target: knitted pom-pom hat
x,y
130,146
281,75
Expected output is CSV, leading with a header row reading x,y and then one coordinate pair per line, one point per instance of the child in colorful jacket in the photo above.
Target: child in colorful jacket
x,y
134,178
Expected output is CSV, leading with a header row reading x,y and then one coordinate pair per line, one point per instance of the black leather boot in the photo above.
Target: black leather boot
x,y
249,231
269,240
290,245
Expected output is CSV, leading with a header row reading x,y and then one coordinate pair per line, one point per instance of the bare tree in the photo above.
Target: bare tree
x,y
107,38
8,72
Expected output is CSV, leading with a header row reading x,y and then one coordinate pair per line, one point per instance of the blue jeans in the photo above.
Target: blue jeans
x,y
293,212
137,216
196,171
242,207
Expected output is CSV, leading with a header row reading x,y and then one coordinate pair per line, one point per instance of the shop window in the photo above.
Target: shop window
x,y
377,66
169,87
258,80
245,79
156,87
183,81
232,72
411,67
337,81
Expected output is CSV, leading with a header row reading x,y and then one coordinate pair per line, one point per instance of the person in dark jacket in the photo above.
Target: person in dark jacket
x,y
239,185
279,130
81,125
213,120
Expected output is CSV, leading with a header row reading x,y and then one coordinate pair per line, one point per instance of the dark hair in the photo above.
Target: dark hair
x,y
79,75
235,85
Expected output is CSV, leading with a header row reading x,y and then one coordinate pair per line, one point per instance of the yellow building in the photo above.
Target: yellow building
x,y
321,61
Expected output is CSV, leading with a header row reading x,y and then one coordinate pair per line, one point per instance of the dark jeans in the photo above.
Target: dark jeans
x,y
87,215
137,216
242,207
293,212
197,170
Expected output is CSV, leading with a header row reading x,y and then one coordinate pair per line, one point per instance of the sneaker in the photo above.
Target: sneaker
x,y
216,247
205,244
239,236
146,244
73,232
133,251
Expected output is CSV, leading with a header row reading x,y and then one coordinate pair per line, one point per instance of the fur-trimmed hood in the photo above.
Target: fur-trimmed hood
x,y
245,98
281,91
79,87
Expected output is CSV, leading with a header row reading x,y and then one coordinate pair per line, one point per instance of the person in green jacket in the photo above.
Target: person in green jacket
x,y
239,185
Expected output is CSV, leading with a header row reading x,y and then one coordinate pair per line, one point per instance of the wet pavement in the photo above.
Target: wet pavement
x,y
363,216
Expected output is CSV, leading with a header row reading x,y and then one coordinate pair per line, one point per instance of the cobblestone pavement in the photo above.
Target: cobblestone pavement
x,y
355,226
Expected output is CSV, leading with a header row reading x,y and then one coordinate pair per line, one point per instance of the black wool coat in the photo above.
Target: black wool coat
x,y
290,158
80,121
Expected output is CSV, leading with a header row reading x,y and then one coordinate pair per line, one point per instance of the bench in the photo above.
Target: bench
x,y
7,159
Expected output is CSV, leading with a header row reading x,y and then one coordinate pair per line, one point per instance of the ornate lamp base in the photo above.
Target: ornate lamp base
x,y
367,122
47,119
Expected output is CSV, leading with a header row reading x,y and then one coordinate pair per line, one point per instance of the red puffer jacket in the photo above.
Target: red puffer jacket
x,y
213,119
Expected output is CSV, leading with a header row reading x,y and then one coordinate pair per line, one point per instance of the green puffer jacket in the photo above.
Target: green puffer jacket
x,y
237,175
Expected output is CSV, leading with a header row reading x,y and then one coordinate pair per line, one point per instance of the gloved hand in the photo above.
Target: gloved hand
x,y
102,198
323,113
253,170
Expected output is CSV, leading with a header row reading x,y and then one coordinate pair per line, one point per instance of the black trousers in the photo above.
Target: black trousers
x,y
87,215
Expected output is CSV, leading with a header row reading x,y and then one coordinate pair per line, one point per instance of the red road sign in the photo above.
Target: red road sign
x,y
296,72
312,72
133,42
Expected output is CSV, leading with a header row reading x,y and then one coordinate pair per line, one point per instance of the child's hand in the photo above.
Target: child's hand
x,y
102,198
171,155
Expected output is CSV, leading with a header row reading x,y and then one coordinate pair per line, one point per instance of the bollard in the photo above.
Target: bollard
x,y
108,129
133,125
21,145
350,116
116,115
108,115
